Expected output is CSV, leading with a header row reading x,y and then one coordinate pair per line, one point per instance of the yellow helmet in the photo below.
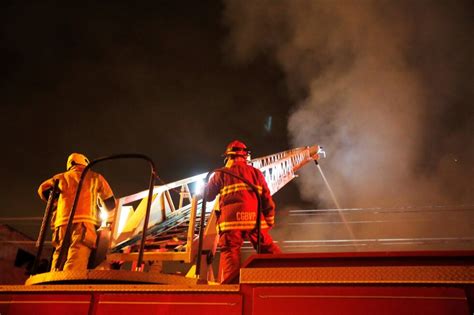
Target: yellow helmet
x,y
75,159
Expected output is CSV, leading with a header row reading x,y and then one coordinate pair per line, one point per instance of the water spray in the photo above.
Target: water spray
x,y
322,153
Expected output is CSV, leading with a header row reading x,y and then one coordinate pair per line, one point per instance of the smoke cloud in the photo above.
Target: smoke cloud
x,y
384,86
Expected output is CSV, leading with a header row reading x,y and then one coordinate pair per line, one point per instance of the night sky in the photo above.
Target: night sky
x,y
385,86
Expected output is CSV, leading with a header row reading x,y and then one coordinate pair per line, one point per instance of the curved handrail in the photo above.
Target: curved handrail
x,y
67,236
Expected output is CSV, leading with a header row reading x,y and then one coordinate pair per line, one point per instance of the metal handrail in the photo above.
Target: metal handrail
x,y
67,237
44,225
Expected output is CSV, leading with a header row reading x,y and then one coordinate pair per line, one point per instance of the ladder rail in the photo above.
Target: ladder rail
x,y
278,170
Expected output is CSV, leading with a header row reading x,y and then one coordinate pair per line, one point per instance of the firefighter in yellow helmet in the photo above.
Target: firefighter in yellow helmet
x,y
86,218
238,206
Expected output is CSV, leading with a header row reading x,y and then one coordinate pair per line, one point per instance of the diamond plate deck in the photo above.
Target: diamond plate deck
x,y
360,274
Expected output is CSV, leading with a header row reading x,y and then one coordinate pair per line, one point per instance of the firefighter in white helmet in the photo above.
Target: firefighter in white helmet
x,y
86,218
238,206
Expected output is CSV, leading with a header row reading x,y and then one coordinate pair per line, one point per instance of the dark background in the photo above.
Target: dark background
x,y
118,77
178,80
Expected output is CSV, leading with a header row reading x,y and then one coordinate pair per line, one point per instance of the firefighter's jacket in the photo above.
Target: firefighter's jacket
x,y
238,203
94,186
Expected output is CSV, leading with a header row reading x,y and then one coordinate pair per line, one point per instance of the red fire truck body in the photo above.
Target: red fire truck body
x,y
313,283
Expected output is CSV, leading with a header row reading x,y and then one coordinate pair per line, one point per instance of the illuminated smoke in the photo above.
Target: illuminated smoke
x,y
384,86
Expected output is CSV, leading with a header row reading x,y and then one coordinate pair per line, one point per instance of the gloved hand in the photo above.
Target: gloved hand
x,y
270,220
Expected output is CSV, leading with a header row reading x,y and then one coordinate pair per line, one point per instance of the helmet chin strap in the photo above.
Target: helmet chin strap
x,y
228,162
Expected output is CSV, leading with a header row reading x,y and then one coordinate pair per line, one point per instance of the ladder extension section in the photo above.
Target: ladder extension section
x,y
279,169
173,229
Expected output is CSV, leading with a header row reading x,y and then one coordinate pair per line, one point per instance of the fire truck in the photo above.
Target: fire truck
x,y
158,258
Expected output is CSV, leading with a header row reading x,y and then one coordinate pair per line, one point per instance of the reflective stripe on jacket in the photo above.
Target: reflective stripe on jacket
x,y
93,187
238,203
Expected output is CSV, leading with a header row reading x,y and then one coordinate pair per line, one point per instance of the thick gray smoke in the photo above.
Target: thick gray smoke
x,y
384,86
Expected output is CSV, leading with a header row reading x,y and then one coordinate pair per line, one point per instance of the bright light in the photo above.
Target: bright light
x,y
103,217
125,213
199,187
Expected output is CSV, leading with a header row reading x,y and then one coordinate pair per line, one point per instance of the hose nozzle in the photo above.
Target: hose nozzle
x,y
321,152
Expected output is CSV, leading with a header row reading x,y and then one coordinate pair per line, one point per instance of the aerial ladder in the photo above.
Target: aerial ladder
x,y
173,228
163,223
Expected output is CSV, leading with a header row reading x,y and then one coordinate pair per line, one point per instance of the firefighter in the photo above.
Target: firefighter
x,y
238,206
86,218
